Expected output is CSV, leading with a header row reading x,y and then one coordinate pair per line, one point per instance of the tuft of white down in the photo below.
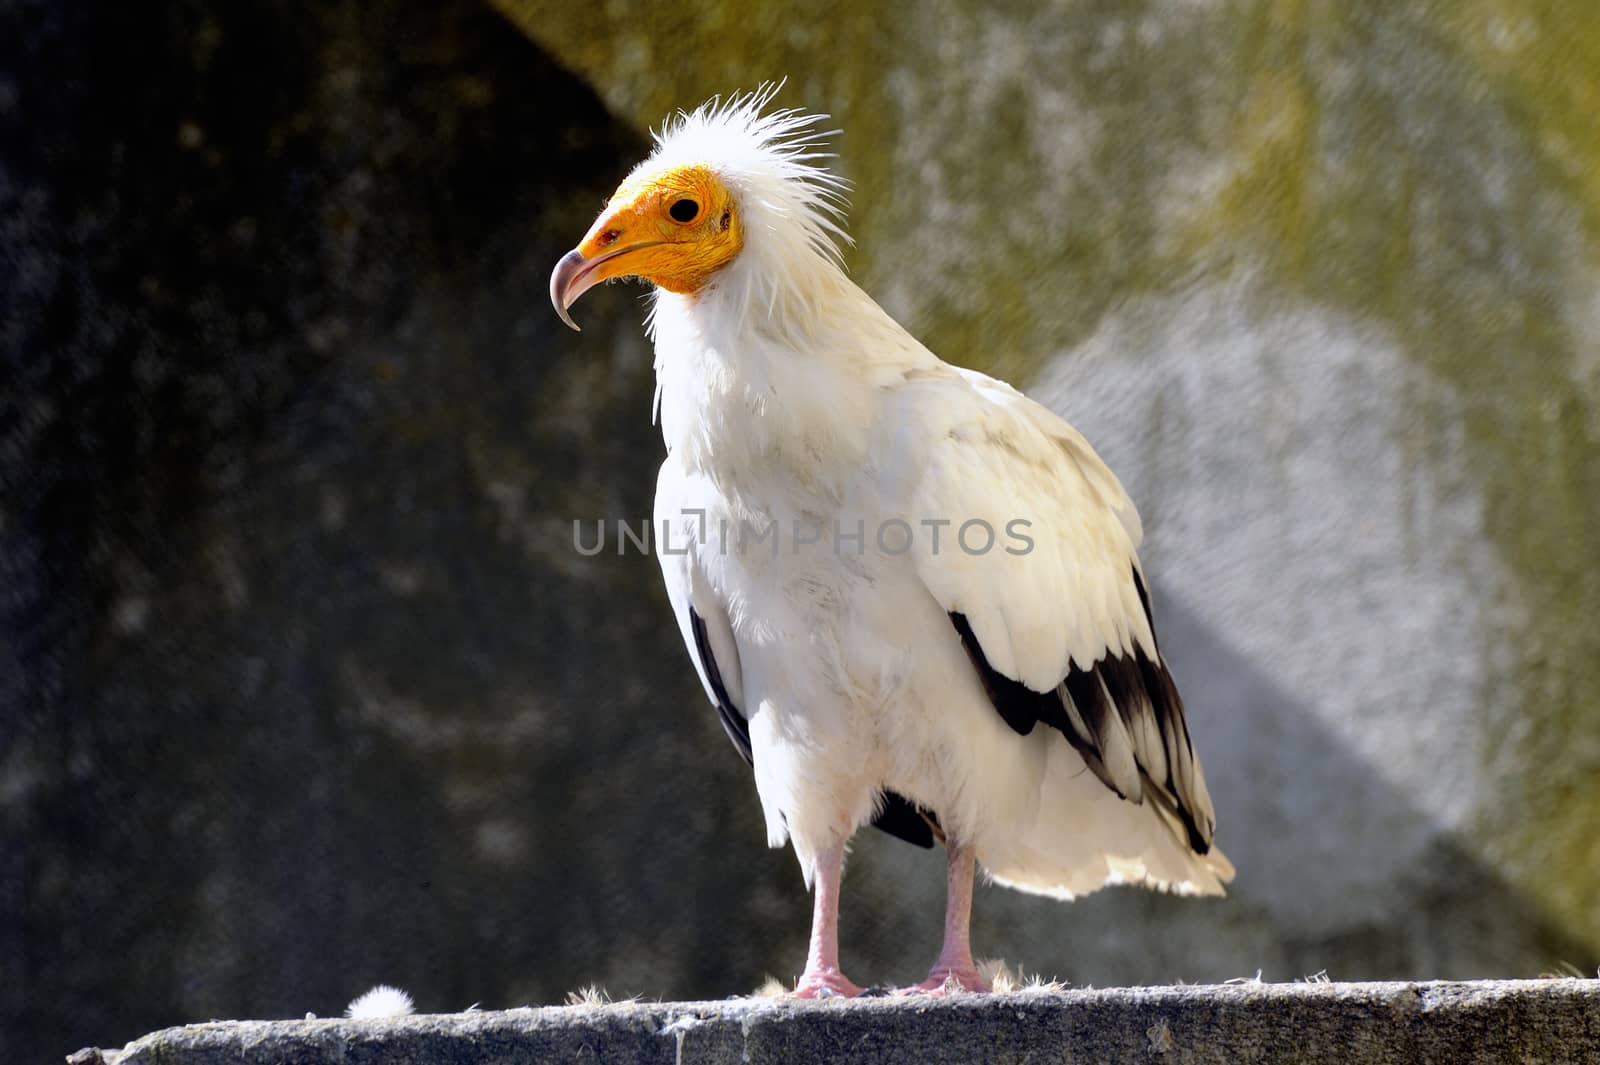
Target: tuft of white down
x,y
381,1001
786,395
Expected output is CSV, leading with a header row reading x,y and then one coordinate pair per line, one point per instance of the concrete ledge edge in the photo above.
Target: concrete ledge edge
x,y
1555,1020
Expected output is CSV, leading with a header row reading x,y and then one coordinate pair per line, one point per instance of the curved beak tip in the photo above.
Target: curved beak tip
x,y
562,281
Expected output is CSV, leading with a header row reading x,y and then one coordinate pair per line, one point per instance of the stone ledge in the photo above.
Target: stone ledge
x,y
1360,1024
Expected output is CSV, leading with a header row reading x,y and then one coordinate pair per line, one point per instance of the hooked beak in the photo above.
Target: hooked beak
x,y
574,275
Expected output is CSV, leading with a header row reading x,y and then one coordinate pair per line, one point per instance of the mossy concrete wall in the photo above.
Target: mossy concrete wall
x,y
1322,281
1354,1024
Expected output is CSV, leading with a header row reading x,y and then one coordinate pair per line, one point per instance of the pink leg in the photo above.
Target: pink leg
x,y
955,969
822,978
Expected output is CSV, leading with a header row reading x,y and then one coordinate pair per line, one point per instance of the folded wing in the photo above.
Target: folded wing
x,y
1045,587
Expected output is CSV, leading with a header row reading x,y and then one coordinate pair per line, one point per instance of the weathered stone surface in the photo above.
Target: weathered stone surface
x,y
1550,1021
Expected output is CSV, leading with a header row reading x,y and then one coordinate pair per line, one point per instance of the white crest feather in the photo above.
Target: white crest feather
x,y
793,207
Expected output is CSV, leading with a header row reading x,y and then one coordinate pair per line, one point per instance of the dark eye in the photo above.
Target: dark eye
x,y
683,210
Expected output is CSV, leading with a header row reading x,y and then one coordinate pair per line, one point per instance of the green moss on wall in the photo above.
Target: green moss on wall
x,y
1432,167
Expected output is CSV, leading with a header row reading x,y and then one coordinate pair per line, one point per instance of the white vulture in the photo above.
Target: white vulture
x,y
912,593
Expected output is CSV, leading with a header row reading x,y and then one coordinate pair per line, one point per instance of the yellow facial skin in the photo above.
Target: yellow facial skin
x,y
675,228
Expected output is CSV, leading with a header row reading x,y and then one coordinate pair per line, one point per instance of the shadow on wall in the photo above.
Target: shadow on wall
x,y
1434,911
303,686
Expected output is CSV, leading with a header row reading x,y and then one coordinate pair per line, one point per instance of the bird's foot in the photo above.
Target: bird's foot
x,y
950,980
824,983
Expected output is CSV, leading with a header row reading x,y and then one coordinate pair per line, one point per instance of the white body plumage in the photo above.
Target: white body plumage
x,y
793,406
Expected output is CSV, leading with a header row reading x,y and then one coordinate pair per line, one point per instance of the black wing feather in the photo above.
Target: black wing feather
x,y
1140,693
1015,701
1096,696
733,722
899,817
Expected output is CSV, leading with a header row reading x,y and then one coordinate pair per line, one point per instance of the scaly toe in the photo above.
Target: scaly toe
x,y
832,984
944,981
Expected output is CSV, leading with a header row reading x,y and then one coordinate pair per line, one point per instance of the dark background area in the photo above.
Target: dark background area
x,y
293,700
